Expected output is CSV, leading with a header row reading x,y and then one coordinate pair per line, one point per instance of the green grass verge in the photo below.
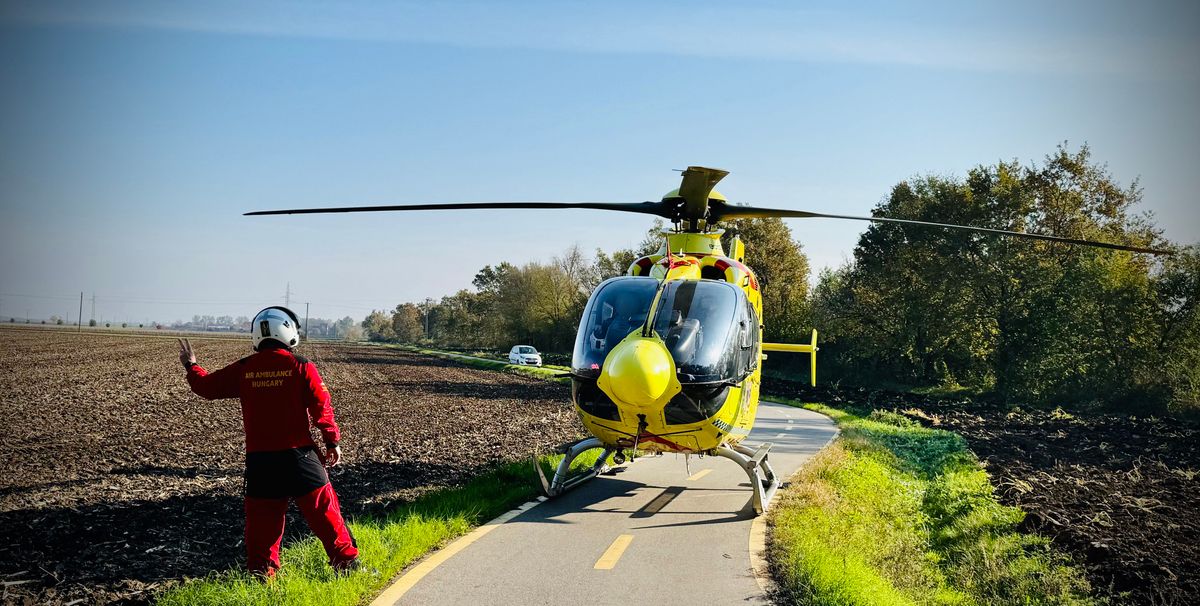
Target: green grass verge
x,y
896,513
548,372
386,544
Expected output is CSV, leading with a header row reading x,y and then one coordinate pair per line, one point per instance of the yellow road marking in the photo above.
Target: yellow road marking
x,y
700,474
614,551
392,594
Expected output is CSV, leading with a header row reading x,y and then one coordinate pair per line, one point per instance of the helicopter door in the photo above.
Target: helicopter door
x,y
751,342
703,323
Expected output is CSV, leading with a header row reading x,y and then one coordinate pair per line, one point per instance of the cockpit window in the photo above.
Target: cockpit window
x,y
701,324
618,308
708,327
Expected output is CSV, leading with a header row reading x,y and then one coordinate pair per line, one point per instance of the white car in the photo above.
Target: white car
x,y
525,355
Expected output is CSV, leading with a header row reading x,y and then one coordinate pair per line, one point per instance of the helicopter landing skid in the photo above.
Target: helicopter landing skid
x,y
563,480
754,462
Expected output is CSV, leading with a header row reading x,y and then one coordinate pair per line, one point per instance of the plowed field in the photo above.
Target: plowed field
x,y
1118,493
121,481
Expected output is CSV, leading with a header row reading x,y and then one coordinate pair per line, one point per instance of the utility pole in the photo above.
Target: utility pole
x,y
428,308
79,321
306,319
93,318
287,296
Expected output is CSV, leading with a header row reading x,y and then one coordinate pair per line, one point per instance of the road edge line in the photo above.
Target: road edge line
x,y
759,566
413,575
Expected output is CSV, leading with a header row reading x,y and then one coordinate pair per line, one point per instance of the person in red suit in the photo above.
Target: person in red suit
x,y
281,393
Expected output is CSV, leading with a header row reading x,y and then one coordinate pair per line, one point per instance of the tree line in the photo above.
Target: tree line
x,y
1021,320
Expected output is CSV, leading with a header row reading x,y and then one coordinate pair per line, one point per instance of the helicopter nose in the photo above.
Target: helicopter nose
x,y
640,372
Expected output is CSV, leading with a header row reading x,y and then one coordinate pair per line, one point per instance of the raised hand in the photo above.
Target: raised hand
x,y
186,356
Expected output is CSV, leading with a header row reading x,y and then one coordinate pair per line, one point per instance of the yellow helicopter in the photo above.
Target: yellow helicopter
x,y
668,357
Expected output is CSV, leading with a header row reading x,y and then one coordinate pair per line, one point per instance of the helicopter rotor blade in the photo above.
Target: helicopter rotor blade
x,y
723,212
646,208
695,188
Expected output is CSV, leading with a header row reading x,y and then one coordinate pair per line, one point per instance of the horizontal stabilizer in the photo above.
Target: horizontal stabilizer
x,y
810,349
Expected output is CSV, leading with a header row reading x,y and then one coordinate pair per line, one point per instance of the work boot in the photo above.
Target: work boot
x,y
347,566
355,566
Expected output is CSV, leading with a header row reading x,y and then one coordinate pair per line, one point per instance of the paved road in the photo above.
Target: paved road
x,y
656,532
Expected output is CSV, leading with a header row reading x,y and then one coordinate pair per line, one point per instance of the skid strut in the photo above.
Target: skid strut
x,y
754,462
563,481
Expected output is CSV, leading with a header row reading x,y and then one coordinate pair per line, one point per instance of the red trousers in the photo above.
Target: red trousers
x,y
264,529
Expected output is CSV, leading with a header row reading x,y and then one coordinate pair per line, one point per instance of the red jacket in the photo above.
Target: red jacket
x,y
280,392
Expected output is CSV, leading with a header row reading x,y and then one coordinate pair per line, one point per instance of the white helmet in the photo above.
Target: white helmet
x,y
278,323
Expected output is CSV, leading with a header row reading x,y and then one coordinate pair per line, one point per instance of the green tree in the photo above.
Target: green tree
x,y
341,326
377,326
1031,320
407,326
615,264
781,266
459,320
541,305
1177,366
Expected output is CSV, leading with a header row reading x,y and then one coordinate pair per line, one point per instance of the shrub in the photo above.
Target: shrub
x,y
891,418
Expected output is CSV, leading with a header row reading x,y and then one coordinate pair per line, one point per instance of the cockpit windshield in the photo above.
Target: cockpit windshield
x,y
618,308
699,322
707,326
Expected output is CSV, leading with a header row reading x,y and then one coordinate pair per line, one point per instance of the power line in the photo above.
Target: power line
x,y
340,303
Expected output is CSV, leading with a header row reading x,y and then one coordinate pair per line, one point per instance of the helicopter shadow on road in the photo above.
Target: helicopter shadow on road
x,y
593,498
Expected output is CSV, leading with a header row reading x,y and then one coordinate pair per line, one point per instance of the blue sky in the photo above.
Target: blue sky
x,y
134,134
